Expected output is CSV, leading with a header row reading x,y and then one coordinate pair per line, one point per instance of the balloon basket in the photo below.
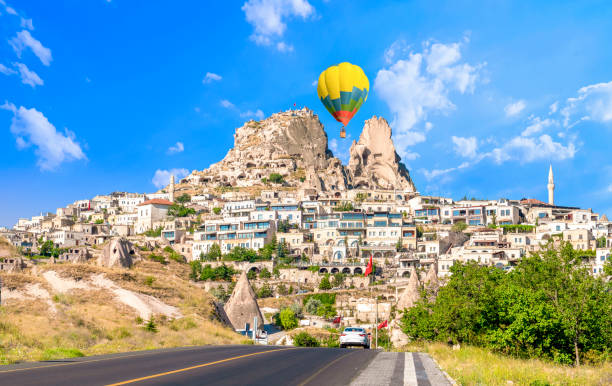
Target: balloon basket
x,y
342,133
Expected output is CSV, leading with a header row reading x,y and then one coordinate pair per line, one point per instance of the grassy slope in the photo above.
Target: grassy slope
x,y
478,366
91,322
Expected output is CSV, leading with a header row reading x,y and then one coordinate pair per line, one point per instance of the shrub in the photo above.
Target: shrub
x,y
265,274
149,280
216,210
312,305
325,284
61,353
158,258
304,339
150,325
264,292
183,198
459,226
288,320
154,232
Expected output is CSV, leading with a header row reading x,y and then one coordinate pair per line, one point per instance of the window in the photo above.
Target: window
x,y
541,214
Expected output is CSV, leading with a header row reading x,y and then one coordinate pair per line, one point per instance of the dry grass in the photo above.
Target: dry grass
x,y
91,321
478,366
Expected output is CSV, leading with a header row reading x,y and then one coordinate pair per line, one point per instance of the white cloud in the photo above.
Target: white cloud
x,y
6,71
284,47
25,40
258,114
528,149
27,23
315,83
196,109
227,104
593,102
178,148
268,17
162,177
515,108
431,174
538,125
420,84
10,10
398,48
32,128
553,108
333,145
211,77
465,147
610,188
27,76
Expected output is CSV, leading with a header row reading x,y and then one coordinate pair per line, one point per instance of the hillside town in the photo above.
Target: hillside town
x,y
276,205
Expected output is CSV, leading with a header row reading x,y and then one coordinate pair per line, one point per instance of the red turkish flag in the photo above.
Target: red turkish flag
x,y
382,325
337,319
369,267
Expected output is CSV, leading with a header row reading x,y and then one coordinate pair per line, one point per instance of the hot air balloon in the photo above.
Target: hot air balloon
x,y
342,89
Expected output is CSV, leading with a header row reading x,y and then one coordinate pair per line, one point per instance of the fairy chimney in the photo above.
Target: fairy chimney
x,y
412,293
242,308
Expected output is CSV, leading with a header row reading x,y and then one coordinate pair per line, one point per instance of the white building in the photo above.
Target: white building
x,y
150,212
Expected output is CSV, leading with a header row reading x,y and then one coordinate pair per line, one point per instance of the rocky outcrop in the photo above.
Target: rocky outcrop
x,y
373,161
291,143
119,252
412,294
294,144
431,280
242,308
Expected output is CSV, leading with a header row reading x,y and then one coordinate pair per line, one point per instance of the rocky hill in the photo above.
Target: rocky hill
x,y
294,144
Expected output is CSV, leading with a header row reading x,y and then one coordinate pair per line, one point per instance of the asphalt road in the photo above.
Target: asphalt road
x,y
210,365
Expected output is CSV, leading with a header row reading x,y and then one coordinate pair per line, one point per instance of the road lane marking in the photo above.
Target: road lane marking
x,y
409,370
195,367
80,362
324,368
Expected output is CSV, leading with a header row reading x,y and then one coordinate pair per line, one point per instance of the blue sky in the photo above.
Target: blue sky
x,y
99,96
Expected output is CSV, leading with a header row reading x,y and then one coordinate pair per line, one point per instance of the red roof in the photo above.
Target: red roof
x,y
156,201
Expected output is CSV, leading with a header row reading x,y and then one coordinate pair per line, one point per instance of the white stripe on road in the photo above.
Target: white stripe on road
x,y
409,370
378,372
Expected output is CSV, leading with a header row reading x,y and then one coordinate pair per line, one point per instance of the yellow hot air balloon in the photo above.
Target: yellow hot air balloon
x,y
342,89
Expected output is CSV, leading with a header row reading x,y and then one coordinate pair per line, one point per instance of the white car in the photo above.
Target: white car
x,y
354,336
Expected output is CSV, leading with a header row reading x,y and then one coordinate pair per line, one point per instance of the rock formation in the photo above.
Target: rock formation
x,y
409,297
119,252
294,144
431,280
242,308
291,143
373,161
412,293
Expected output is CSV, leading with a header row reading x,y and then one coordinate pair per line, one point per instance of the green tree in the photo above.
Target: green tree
x,y
338,280
276,178
325,284
216,210
459,226
288,319
265,274
183,198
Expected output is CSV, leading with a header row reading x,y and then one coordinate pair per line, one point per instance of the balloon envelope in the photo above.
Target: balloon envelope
x,y
342,89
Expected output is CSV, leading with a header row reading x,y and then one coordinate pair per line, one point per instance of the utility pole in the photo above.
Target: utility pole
x,y
376,321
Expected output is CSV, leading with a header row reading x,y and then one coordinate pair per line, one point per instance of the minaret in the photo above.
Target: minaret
x,y
551,187
171,188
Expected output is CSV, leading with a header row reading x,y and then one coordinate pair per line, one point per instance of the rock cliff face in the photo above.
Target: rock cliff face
x,y
291,143
373,161
294,144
